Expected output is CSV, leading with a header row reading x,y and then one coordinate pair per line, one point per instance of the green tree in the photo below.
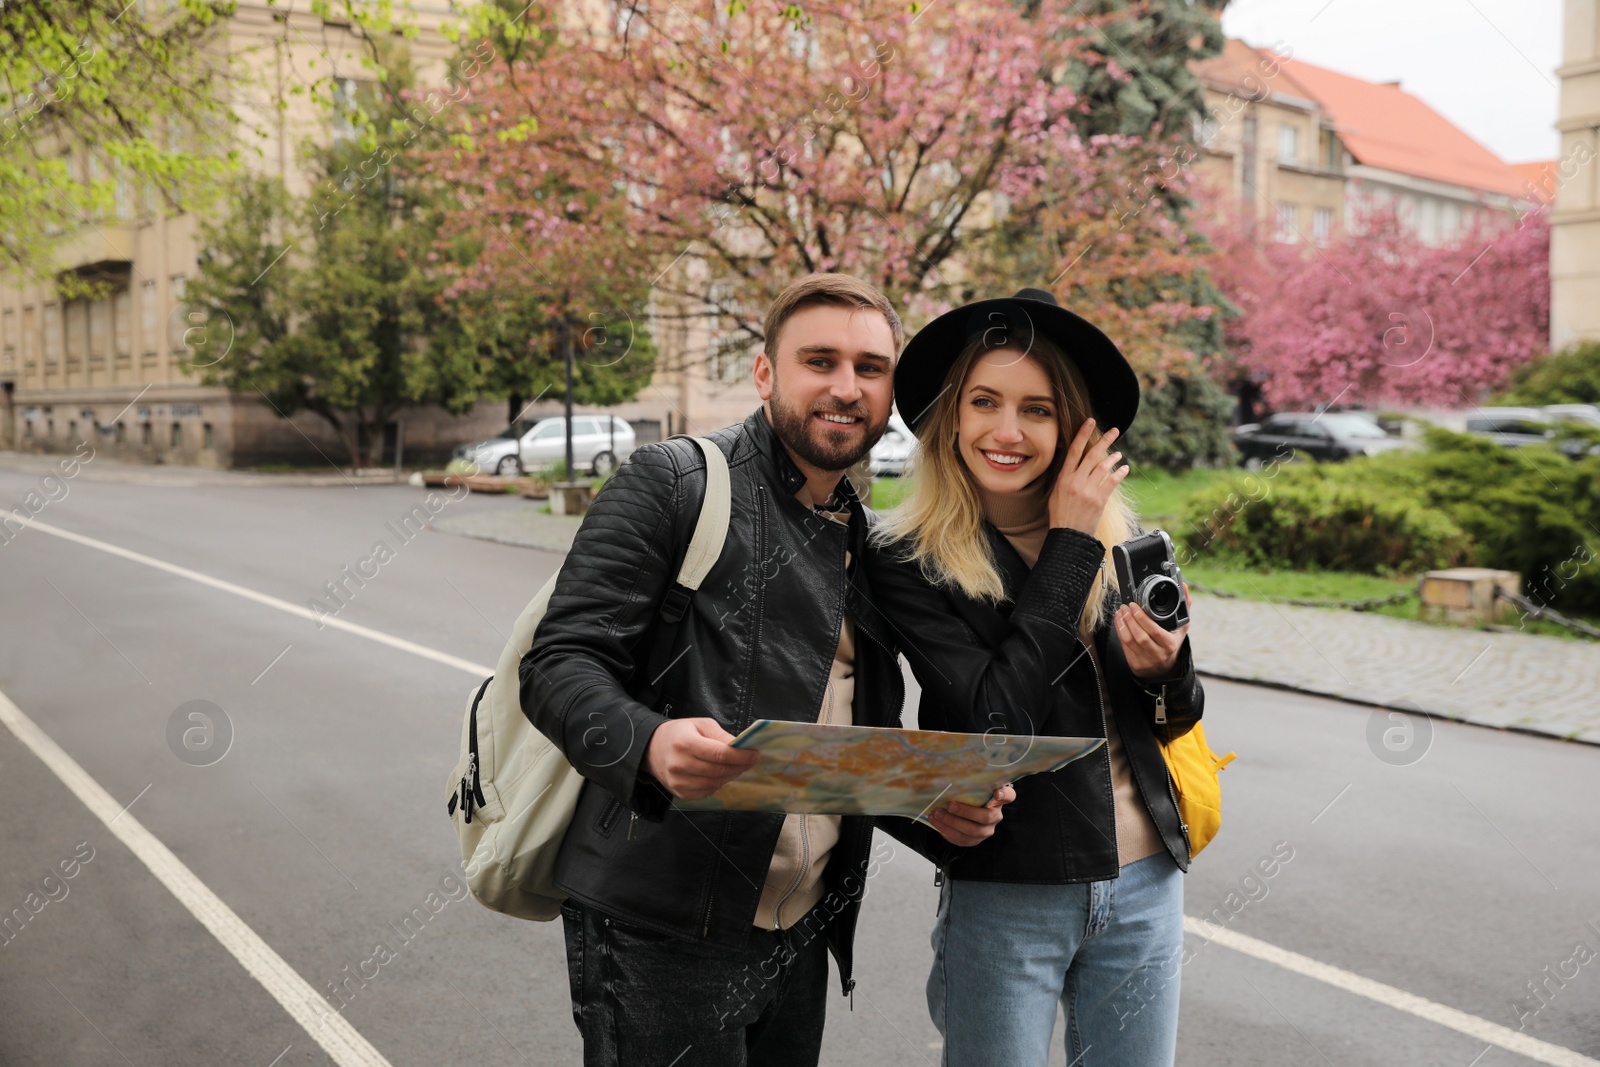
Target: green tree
x,y
134,85
1571,376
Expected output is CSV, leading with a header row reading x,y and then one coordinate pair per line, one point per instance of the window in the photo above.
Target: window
x,y
1288,223
99,330
553,428
8,337
1205,131
207,437
1288,144
122,433
345,110
77,332
122,323
147,435
30,340
147,318
177,435
52,334
1322,225
177,324
72,429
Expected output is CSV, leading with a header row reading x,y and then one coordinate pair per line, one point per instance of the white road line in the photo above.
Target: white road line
x,y
1399,999
1389,996
343,1044
477,670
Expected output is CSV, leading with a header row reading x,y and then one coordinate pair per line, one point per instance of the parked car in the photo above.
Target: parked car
x,y
1512,427
1583,414
1515,427
599,444
892,454
1332,435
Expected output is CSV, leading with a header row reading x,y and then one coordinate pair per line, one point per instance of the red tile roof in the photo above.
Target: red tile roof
x,y
1382,125
1542,176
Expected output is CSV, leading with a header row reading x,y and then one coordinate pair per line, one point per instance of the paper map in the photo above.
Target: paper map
x,y
812,769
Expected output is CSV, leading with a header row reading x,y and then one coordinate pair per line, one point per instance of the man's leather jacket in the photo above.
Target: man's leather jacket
x,y
756,642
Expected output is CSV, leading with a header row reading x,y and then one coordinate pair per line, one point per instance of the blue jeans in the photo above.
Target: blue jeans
x,y
1110,952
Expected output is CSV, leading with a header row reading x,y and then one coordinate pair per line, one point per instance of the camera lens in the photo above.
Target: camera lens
x,y
1161,597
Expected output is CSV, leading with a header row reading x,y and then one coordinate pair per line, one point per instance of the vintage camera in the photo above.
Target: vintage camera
x,y
1149,576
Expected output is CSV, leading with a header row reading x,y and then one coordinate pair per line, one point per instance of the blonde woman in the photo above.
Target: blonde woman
x,y
996,573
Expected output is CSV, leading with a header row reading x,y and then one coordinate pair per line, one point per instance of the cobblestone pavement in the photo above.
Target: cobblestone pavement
x,y
1546,685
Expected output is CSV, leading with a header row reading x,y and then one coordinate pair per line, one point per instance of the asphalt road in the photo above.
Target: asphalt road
x,y
1457,877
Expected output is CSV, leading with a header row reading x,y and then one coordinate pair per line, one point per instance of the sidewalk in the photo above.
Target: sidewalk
x,y
1545,685
104,469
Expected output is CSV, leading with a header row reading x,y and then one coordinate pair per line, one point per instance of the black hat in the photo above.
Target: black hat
x,y
1011,322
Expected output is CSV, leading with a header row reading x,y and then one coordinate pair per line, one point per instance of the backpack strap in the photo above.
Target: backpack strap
x,y
710,532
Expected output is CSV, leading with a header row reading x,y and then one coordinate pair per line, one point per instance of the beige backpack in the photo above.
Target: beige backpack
x,y
512,792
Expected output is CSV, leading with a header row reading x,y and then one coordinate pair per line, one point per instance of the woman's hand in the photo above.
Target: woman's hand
x,y
1085,482
966,825
1150,648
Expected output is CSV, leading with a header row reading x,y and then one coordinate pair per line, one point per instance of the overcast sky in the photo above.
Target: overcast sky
x,y
1486,65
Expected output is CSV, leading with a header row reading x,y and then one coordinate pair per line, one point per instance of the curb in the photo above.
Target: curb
x,y
1410,706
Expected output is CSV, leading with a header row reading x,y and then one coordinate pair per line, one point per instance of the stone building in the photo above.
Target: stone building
x,y
1303,148
122,371
1575,181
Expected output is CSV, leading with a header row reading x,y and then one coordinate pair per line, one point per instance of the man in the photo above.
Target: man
x,y
701,937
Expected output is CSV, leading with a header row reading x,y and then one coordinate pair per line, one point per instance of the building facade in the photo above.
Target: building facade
x,y
123,372
1575,182
1303,150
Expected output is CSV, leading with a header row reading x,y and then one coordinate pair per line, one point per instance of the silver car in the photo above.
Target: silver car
x,y
599,444
892,454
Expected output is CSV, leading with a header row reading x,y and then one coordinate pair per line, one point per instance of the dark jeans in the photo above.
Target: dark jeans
x,y
643,999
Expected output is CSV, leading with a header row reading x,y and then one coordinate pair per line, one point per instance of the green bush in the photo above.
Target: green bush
x,y
1571,376
1461,499
1307,521
1182,423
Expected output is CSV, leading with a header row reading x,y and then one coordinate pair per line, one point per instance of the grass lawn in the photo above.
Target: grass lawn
x,y
1158,496
887,492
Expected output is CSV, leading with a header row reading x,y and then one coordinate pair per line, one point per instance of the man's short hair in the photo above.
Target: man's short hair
x,y
842,290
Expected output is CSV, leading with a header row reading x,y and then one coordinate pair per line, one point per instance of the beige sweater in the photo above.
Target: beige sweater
x,y
794,881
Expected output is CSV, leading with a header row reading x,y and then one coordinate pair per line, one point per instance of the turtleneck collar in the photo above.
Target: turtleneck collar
x,y
1014,513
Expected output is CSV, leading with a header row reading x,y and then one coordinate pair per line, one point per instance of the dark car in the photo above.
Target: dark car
x,y
1328,436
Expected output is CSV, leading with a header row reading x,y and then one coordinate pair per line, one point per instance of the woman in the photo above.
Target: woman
x,y
996,571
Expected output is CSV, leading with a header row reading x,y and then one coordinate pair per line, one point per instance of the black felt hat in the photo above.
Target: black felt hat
x,y
1013,322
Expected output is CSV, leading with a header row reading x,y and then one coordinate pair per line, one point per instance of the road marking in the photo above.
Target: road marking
x,y
1389,996
343,1044
260,954
477,670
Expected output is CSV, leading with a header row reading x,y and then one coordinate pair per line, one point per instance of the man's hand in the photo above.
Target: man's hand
x,y
1150,648
965,825
691,758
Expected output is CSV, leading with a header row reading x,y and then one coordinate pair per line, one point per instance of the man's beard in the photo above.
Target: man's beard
x,y
828,450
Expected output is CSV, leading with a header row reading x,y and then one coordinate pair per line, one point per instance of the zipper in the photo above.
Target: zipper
x,y
711,893
762,541
1161,708
1105,731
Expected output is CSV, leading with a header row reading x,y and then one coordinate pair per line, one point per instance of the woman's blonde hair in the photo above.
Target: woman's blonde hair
x,y
939,525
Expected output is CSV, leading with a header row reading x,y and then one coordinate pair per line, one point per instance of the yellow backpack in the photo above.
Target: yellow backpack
x,y
1193,767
